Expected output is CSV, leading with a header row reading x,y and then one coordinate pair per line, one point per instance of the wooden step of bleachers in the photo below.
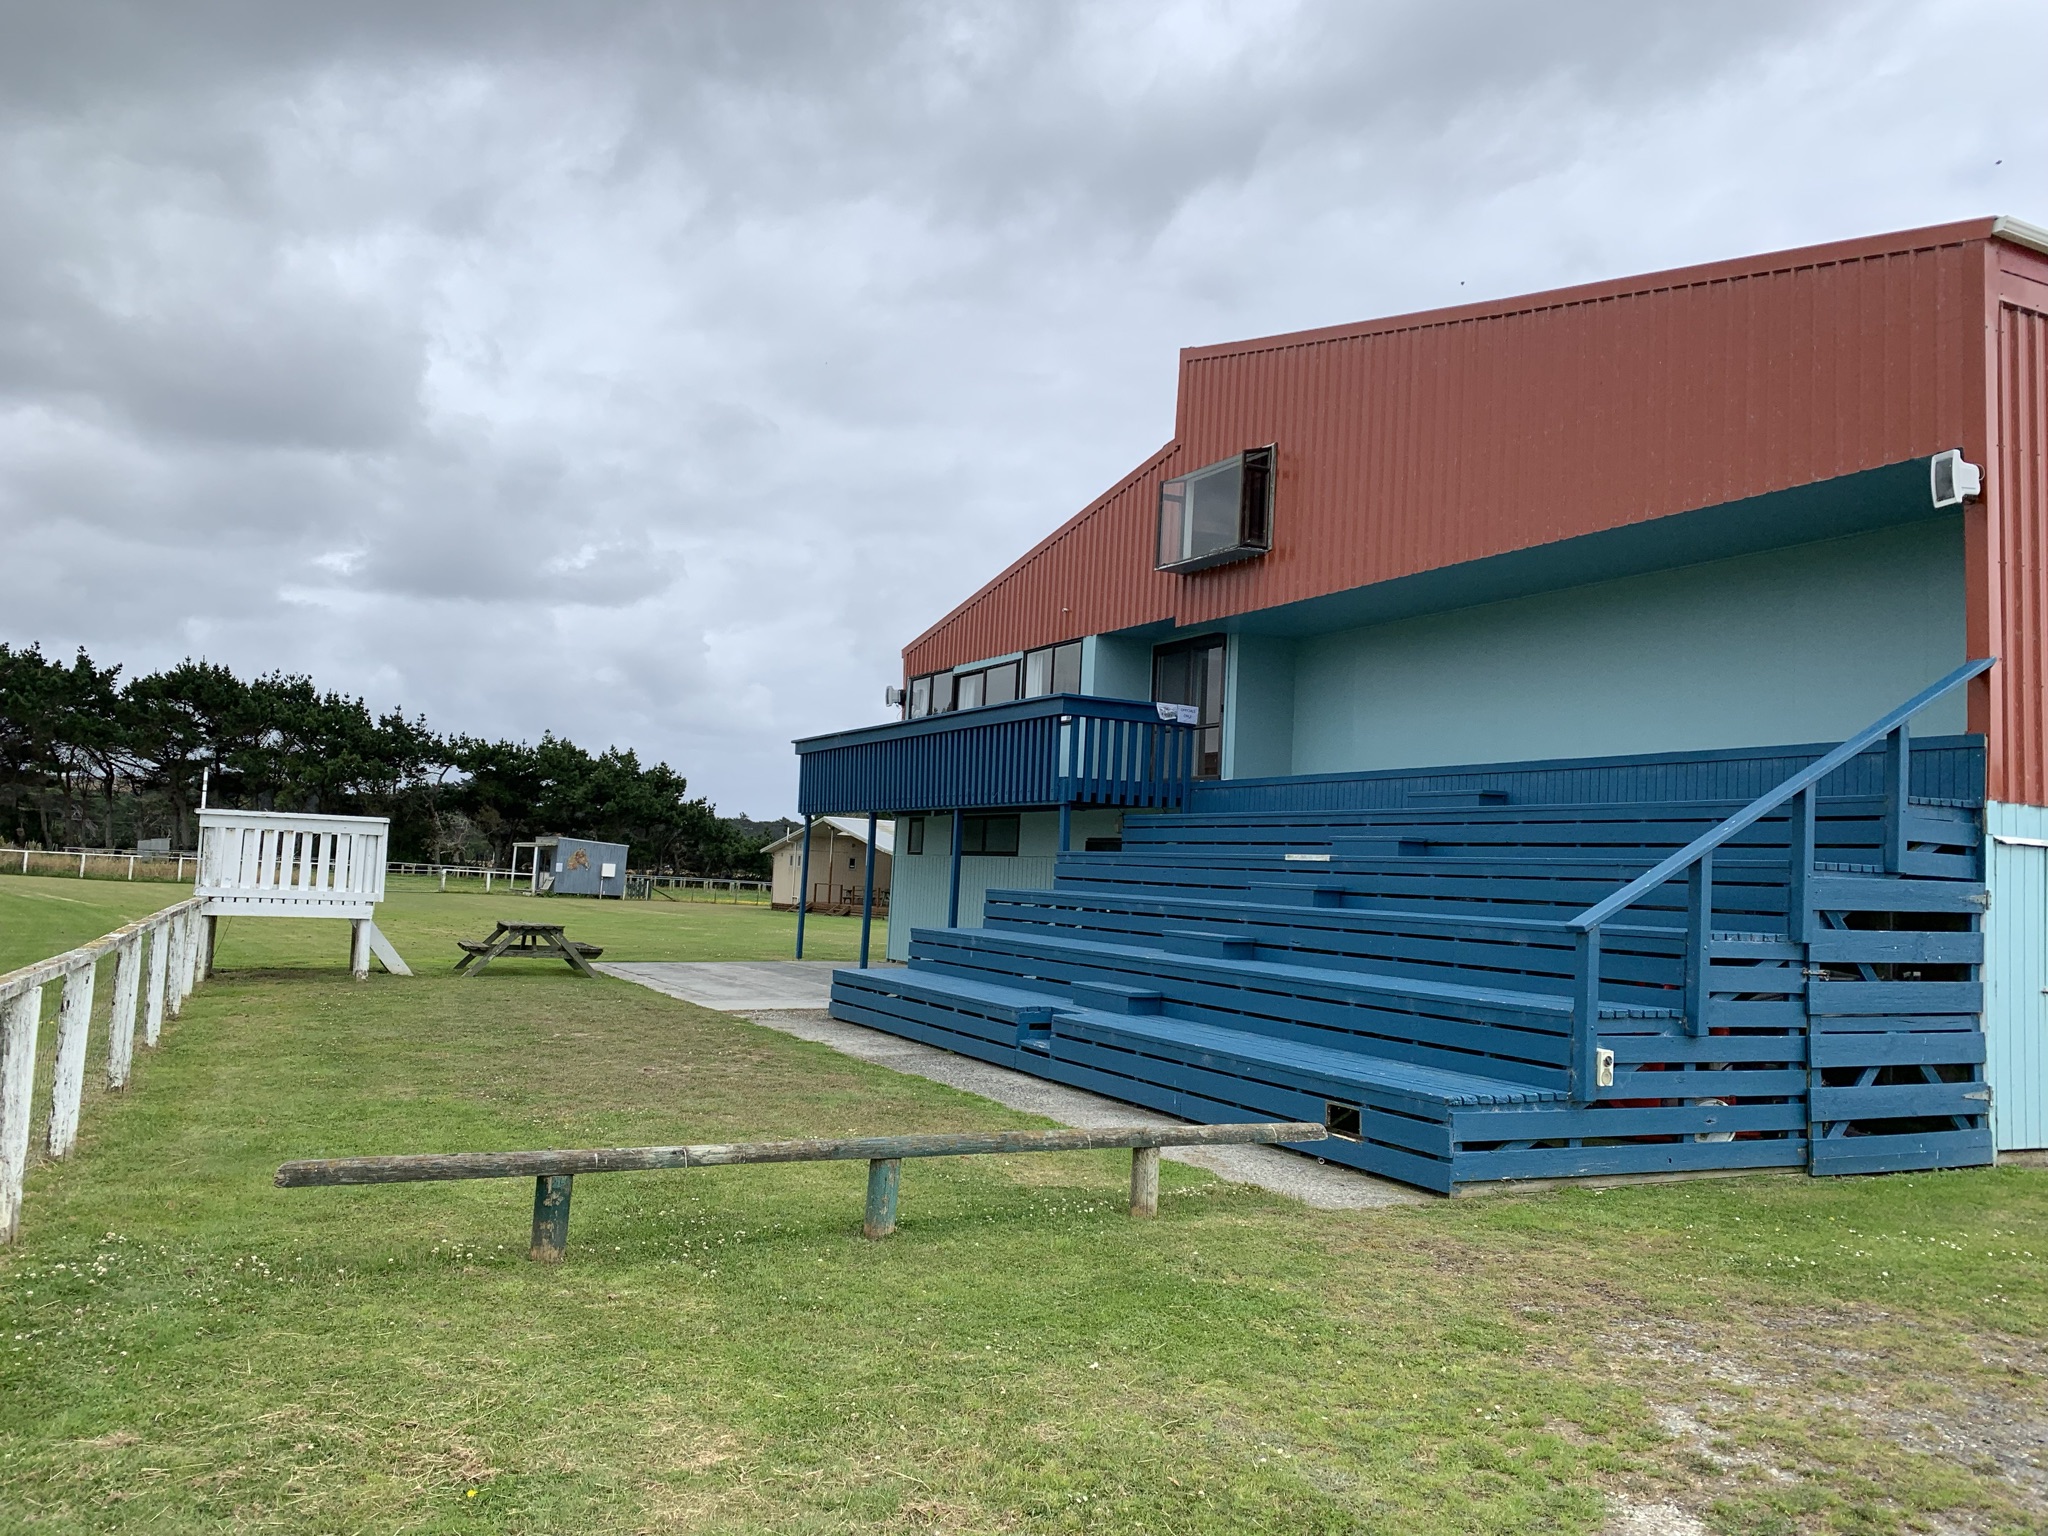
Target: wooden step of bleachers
x,y
1407,975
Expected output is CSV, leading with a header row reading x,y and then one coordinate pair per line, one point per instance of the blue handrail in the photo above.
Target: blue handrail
x,y
1695,859
1771,799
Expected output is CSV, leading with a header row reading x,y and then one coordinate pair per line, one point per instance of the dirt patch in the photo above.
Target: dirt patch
x,y
1752,1398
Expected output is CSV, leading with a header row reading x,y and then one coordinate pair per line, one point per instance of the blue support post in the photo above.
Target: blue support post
x,y
867,895
1586,1017
1699,941
803,888
1898,785
1798,907
953,895
1066,826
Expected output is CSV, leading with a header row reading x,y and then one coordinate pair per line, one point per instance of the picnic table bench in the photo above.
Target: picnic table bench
x,y
553,1172
526,940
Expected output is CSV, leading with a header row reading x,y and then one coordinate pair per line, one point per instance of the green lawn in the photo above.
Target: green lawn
x,y
184,1347
42,915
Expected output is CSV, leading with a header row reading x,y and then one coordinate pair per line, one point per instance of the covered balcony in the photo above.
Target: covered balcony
x,y
1057,752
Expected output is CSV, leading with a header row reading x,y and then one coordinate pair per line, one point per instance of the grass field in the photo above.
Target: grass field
x,y
185,1348
41,915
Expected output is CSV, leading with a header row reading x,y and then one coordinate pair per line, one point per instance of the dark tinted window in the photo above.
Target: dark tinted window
x,y
996,835
999,684
913,836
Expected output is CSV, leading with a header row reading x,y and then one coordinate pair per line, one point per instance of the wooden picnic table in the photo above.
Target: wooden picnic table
x,y
526,940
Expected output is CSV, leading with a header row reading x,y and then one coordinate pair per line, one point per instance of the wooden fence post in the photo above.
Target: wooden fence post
x,y
121,1022
195,950
20,1017
359,948
175,967
74,1024
1144,1181
884,1173
159,973
551,1218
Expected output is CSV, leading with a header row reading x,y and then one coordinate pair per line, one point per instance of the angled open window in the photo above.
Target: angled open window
x,y
1219,513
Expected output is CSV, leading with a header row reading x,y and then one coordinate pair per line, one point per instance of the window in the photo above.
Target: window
x,y
1221,512
1191,672
967,690
914,837
1054,669
990,835
920,697
999,684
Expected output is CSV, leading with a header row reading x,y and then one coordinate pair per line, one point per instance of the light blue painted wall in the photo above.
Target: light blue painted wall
x,y
1116,667
1258,706
1799,644
917,897
2015,971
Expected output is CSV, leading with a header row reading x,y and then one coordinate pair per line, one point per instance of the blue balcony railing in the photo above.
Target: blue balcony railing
x,y
1065,749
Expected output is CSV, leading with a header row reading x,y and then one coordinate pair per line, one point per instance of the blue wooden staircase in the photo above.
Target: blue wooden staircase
x,y
1476,985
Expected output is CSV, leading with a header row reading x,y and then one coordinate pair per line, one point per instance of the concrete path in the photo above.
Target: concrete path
x,y
736,986
750,988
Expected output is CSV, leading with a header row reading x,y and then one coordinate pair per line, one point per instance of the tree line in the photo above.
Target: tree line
x,y
90,760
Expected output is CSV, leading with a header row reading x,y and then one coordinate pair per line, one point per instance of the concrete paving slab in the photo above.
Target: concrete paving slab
x,y
1317,1184
735,986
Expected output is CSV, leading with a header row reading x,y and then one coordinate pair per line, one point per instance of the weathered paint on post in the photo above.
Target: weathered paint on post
x,y
20,1018
1144,1181
884,1175
121,1020
174,966
359,948
159,962
74,1023
550,1218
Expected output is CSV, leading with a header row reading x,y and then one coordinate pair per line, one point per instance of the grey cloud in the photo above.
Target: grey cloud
x,y
651,373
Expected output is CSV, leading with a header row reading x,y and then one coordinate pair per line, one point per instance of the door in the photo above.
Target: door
x,y
1191,672
2016,992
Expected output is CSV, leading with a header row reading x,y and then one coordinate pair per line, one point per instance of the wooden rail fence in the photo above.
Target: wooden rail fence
x,y
146,990
553,1173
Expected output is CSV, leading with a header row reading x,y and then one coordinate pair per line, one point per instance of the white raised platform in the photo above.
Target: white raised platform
x,y
287,864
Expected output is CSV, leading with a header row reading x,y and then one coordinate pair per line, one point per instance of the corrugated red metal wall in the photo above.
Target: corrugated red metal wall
x,y
2010,618
1427,440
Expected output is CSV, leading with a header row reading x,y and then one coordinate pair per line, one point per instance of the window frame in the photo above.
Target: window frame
x,y
1256,472
974,831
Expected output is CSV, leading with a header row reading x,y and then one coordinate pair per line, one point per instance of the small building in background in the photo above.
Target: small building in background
x,y
839,857
571,866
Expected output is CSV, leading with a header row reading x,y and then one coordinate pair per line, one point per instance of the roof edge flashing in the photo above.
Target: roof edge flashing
x,y
2020,232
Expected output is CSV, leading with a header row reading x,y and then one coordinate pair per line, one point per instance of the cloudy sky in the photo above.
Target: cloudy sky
x,y
652,373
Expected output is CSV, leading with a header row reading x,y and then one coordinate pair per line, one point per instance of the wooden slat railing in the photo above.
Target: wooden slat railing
x,y
147,990
1696,861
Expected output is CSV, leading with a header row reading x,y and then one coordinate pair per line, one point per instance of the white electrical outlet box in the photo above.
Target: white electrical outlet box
x,y
1603,1069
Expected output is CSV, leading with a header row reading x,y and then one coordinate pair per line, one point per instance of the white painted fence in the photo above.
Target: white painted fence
x,y
283,864
145,990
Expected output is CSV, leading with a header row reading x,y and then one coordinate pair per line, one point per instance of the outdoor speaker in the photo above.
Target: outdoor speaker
x,y
893,696
1954,479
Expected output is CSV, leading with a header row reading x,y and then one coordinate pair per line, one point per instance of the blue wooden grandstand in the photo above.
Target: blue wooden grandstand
x,y
1534,971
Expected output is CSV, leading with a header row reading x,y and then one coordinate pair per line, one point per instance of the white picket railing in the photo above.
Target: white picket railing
x,y
279,864
148,991
284,864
